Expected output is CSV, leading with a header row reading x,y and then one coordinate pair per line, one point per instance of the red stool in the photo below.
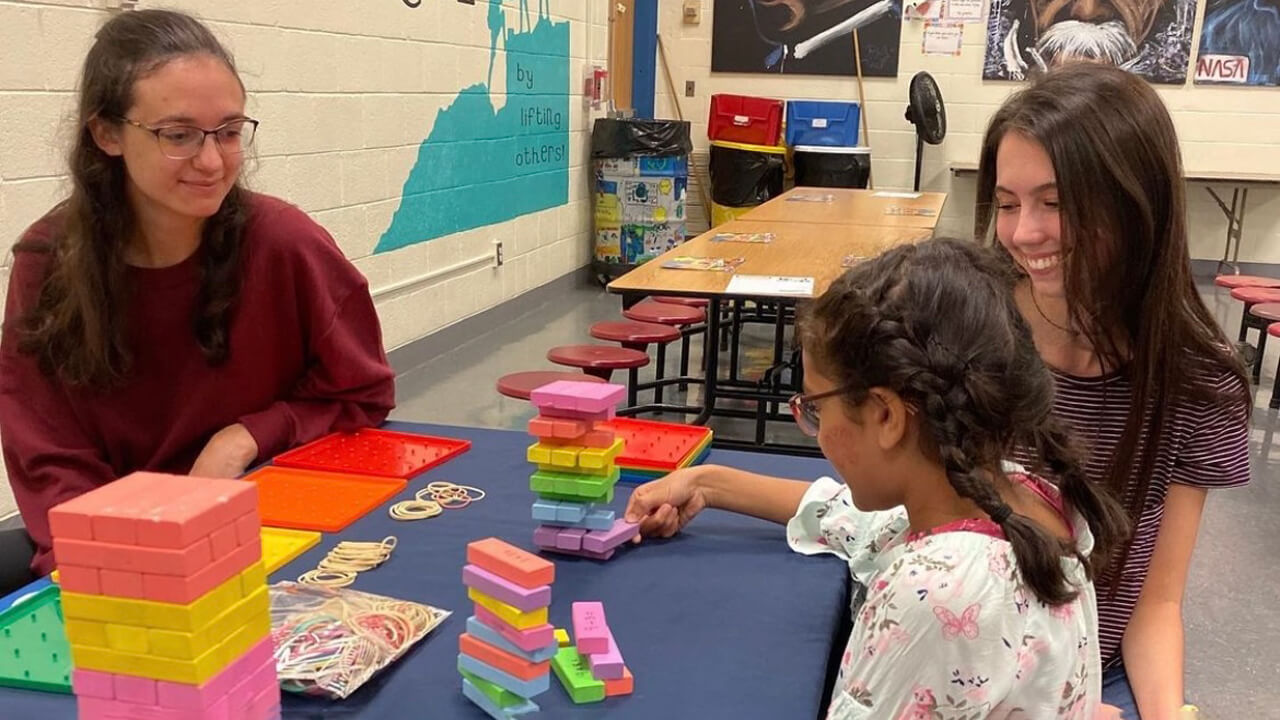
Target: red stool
x,y
1251,296
638,336
1274,330
681,316
601,361
694,302
522,384
1264,316
1239,281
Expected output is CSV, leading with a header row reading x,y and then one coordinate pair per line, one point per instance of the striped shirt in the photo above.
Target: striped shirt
x,y
1204,446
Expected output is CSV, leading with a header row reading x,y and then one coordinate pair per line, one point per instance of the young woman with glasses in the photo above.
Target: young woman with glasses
x,y
163,317
974,576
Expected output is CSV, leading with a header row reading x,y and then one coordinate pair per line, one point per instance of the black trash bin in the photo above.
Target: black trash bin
x,y
837,167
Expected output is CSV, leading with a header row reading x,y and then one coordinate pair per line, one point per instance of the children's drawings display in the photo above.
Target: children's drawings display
x,y
1240,43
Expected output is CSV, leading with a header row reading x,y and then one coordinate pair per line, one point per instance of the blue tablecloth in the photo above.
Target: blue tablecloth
x,y
722,621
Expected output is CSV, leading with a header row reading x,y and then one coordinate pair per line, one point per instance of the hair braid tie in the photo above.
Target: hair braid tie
x,y
1001,514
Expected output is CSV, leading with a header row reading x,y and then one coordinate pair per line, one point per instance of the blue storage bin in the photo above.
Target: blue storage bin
x,y
822,122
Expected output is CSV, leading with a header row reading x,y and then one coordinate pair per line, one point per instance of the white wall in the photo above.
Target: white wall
x,y
1221,129
346,91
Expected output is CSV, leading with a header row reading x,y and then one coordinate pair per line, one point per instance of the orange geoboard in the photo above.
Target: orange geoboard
x,y
322,501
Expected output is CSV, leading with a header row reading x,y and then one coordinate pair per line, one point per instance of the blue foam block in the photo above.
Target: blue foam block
x,y
491,636
523,688
559,511
475,695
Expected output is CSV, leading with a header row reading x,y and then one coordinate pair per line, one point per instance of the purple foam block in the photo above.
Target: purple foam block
x,y
508,592
577,553
607,665
604,540
570,539
545,536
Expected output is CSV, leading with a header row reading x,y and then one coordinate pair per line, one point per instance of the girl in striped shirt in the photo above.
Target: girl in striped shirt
x,y
1081,177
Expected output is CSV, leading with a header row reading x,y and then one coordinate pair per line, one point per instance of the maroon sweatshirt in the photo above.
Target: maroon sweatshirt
x,y
306,358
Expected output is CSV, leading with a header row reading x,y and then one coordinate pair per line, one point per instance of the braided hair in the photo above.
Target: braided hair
x,y
936,323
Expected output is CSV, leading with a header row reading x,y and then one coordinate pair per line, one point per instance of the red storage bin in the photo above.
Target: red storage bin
x,y
745,119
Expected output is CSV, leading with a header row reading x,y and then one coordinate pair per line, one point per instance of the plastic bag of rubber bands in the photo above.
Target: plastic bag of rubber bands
x,y
330,641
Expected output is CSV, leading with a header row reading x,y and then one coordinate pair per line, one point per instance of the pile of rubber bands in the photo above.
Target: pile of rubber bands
x,y
339,568
434,499
330,641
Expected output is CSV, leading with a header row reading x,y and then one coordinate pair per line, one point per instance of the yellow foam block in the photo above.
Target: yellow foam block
x,y
597,458
189,646
594,472
86,632
562,637
165,616
189,672
512,616
279,545
125,638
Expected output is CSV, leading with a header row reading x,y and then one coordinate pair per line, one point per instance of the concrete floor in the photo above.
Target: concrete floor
x,y
1232,619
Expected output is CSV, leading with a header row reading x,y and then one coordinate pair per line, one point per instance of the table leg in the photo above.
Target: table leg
x,y
1235,220
713,364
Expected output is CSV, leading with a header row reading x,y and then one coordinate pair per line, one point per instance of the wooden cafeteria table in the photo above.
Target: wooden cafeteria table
x,y
840,206
798,250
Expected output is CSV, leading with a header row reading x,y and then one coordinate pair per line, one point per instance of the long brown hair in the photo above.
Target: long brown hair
x,y
1127,268
76,329
936,323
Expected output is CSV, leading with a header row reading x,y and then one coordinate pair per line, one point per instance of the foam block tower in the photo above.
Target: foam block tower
x,y
165,600
505,655
576,469
593,669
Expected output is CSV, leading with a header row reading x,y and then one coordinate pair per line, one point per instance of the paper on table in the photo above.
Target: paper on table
x,y
892,194
965,10
942,38
770,285
716,264
811,197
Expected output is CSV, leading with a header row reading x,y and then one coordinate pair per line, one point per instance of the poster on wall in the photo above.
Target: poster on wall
x,y
1151,38
806,37
1240,43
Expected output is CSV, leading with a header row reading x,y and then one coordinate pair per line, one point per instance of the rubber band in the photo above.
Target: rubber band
x,y
415,510
327,578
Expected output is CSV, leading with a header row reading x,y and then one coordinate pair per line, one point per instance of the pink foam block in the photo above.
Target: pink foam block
x,y
545,535
196,507
74,518
248,528
77,579
579,396
605,540
551,547
223,540
530,640
139,690
132,558
94,684
590,630
184,590
570,539
508,592
121,583
607,665
563,428
177,696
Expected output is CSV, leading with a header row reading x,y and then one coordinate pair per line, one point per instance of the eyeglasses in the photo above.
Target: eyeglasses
x,y
804,408
183,142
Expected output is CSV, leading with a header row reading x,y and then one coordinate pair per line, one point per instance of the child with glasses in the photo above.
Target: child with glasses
x,y
973,577
163,317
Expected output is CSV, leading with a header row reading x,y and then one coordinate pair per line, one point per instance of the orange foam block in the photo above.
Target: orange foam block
x,y
510,562
501,659
153,510
624,685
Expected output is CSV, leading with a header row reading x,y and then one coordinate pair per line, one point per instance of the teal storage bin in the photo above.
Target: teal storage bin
x,y
822,123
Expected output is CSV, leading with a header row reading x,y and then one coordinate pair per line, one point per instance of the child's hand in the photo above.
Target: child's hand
x,y
664,506
227,453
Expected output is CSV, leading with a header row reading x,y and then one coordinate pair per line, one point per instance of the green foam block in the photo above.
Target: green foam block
x,y
500,696
575,675
585,487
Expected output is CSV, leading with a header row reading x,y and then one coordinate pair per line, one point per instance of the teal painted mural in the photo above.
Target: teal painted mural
x,y
481,164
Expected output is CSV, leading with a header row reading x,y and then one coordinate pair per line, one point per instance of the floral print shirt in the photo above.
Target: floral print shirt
x,y
943,627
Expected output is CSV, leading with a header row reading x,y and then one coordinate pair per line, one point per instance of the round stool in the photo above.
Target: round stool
x,y
1239,281
697,302
522,384
1266,314
598,360
681,316
1251,296
637,336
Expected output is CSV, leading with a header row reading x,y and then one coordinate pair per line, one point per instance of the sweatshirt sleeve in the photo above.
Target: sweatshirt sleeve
x,y
49,456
